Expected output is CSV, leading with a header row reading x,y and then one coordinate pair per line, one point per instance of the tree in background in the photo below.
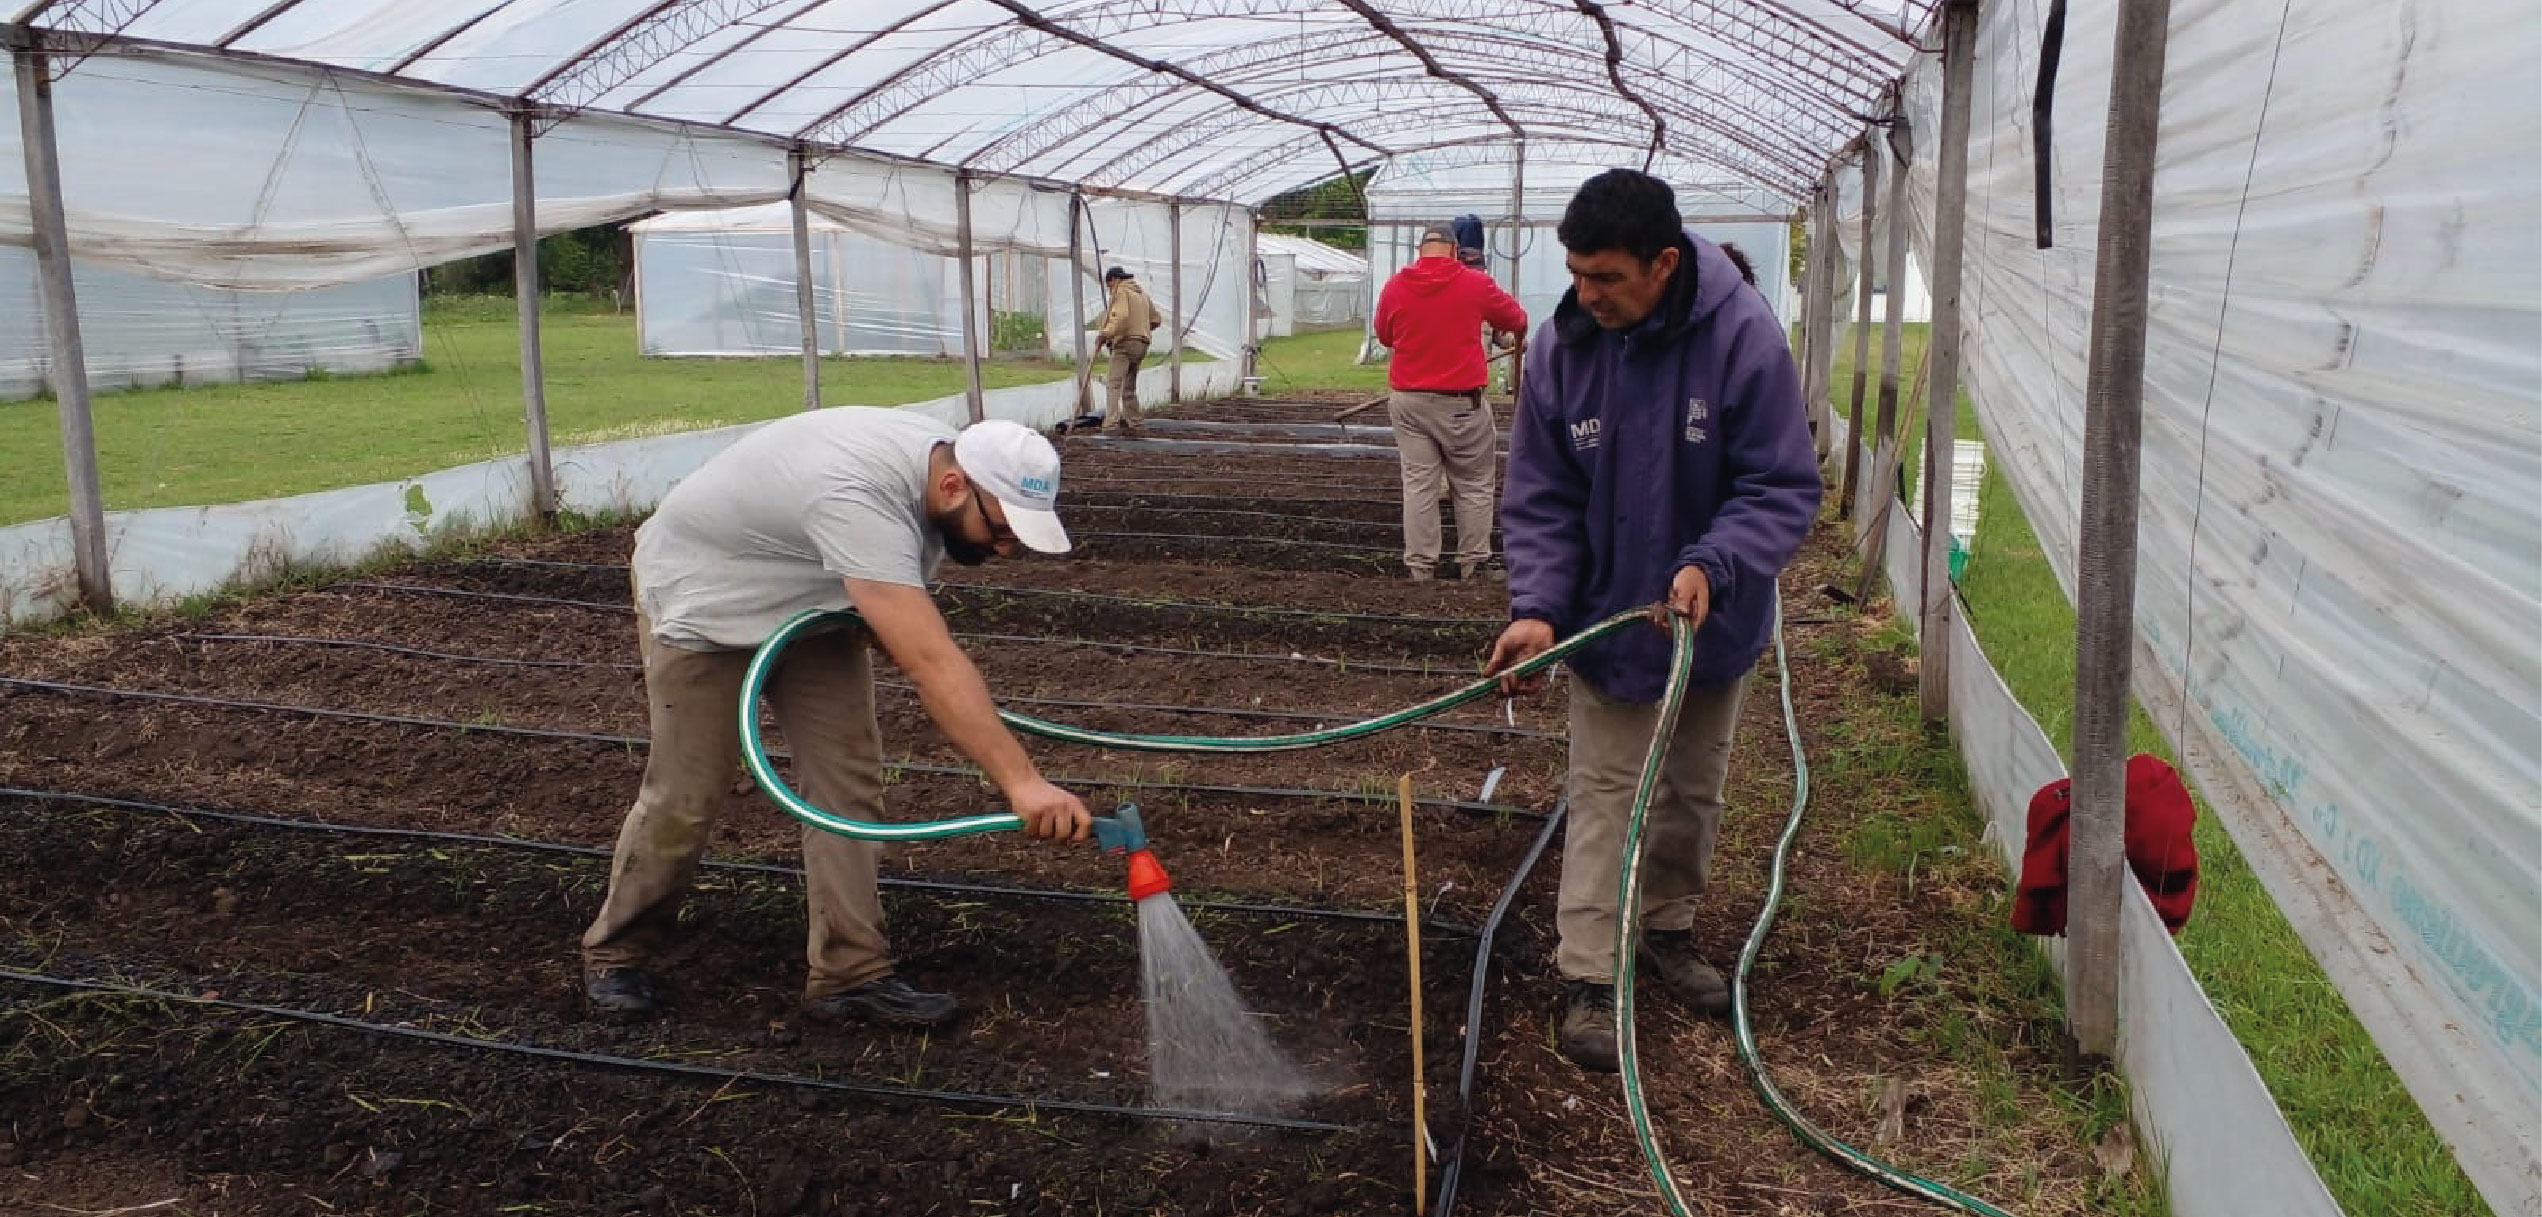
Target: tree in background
x,y
1334,198
585,261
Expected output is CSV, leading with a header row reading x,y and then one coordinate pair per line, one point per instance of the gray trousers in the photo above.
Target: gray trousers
x,y
1608,742
823,692
1451,436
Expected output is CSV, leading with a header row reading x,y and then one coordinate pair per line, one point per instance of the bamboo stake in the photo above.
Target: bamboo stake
x,y
1412,937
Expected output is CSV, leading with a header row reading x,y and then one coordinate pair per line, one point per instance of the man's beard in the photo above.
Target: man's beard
x,y
960,548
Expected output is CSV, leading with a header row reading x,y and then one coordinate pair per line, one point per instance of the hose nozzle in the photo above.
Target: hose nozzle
x,y
1147,876
1120,832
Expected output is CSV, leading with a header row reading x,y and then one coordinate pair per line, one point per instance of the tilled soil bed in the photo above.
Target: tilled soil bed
x,y
388,800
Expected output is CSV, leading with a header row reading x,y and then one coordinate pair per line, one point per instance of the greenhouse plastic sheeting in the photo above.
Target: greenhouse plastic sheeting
x,y
139,331
161,555
280,177
2339,585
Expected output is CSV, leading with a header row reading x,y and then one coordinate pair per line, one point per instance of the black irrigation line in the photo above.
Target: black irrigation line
x,y
532,845
1144,496
1205,606
1452,1170
1400,669
637,741
1062,703
956,1098
1388,551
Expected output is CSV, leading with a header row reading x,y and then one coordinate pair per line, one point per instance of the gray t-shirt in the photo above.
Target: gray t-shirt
x,y
768,527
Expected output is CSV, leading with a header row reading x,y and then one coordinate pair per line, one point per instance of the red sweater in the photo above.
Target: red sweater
x,y
1432,314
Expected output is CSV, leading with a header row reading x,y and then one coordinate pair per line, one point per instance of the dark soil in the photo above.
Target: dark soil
x,y
111,1102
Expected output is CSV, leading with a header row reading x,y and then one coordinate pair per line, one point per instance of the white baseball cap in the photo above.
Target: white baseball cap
x,y
1019,469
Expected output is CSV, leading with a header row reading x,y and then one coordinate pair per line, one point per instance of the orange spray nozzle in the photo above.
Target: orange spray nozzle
x,y
1147,875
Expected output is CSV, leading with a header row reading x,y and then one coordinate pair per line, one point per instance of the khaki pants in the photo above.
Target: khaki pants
x,y
1448,434
824,697
1609,740
1121,384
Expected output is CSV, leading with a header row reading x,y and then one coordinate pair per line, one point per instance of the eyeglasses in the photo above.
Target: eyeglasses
x,y
999,534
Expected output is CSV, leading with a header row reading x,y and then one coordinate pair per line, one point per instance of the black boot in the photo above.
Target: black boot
x,y
621,992
1587,1031
889,1002
1669,957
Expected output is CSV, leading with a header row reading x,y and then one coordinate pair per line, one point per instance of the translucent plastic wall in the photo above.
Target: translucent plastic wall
x,y
140,331
2339,587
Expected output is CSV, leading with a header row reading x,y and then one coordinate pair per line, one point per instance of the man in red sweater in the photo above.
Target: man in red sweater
x,y
1432,315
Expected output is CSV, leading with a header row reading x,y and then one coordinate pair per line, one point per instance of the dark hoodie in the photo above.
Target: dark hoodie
x,y
1432,314
1679,442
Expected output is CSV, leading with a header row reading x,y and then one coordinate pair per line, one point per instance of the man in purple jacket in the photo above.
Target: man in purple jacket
x,y
1660,454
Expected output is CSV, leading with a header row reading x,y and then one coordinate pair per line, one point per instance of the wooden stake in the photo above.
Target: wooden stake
x,y
1412,938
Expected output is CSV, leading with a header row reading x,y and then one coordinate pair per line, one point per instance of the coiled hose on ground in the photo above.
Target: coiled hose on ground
x,y
1628,884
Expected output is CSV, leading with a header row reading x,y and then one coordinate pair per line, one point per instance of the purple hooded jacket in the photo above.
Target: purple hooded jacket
x,y
1680,442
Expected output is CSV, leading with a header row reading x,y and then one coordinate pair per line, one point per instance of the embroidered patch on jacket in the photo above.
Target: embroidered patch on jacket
x,y
1696,413
1584,434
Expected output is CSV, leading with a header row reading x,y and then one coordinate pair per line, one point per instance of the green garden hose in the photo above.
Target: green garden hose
x,y
1629,883
1628,924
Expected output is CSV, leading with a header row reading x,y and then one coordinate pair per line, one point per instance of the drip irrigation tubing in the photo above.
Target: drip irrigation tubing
x,y
1146,496
1399,669
952,1098
532,845
637,741
1387,551
898,686
1452,1168
1201,606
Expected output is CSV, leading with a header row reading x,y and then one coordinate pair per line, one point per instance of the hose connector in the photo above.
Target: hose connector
x,y
1121,832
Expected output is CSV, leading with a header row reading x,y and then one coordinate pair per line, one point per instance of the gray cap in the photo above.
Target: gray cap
x,y
1438,233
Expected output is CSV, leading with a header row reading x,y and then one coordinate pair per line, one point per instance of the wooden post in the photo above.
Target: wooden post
x,y
1412,940
970,298
1077,297
1871,154
61,325
2105,586
1817,325
1175,310
525,305
1941,355
806,312
1892,348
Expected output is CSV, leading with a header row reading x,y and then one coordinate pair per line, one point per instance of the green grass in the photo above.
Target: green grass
x,y
226,443
1984,988
1317,361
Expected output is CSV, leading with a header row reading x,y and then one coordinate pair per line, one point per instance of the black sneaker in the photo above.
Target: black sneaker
x,y
621,992
1587,1032
1669,957
1487,569
889,1002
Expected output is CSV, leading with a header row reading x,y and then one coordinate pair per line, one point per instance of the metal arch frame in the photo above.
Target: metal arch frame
x,y
1027,19
1225,180
444,38
1802,125
1615,76
1480,147
1372,87
841,55
635,46
1430,62
1560,100
67,46
1782,36
774,26
255,23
